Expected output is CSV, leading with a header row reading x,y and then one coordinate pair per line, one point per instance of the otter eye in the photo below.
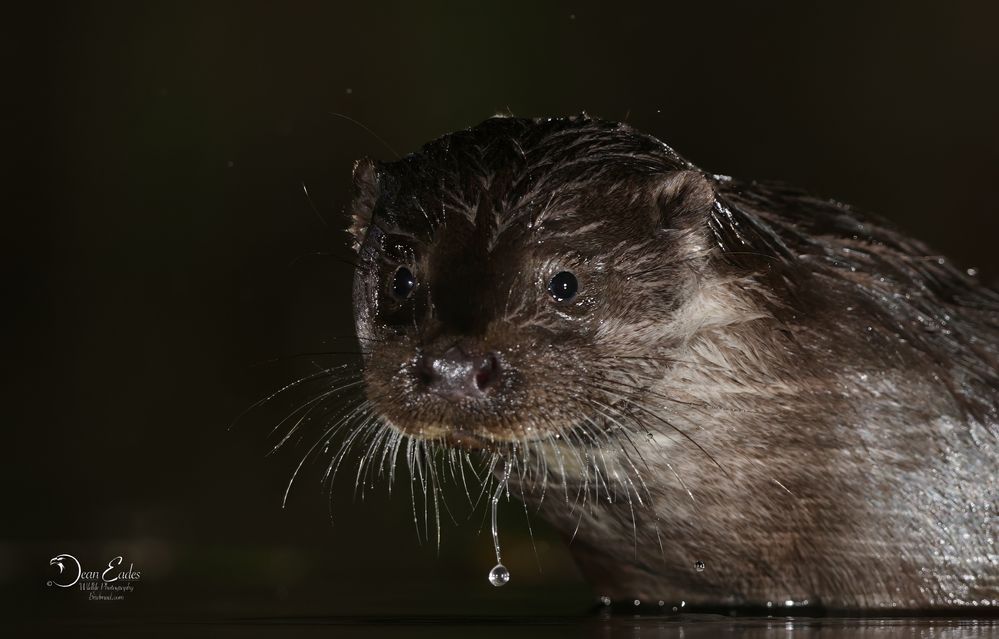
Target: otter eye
x,y
563,286
403,283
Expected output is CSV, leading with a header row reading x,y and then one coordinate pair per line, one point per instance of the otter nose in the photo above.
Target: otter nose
x,y
457,374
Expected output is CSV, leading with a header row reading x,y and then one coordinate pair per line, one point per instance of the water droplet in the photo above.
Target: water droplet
x,y
972,272
499,575
699,566
605,600
663,603
638,603
789,603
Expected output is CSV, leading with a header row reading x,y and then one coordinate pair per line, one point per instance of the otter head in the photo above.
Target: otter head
x,y
509,275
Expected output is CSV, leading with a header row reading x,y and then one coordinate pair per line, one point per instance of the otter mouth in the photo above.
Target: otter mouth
x,y
474,439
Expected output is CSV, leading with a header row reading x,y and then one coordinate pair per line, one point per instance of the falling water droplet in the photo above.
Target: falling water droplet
x,y
605,600
499,575
699,566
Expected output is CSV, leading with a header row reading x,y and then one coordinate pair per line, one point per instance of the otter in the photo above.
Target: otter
x,y
722,393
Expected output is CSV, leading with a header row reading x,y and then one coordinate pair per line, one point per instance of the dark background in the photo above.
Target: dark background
x,y
154,211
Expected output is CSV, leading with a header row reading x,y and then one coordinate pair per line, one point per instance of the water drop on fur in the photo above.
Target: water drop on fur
x,y
699,566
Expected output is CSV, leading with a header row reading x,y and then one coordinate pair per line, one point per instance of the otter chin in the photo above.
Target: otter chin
x,y
720,392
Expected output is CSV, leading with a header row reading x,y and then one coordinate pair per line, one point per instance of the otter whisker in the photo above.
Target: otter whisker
x,y
390,457
410,445
669,465
590,463
527,517
648,492
674,400
439,495
388,449
375,440
489,486
556,448
359,431
302,380
624,433
308,406
462,457
418,461
281,358
352,337
676,429
627,496
323,438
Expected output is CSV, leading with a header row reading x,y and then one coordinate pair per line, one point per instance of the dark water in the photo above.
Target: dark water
x,y
594,625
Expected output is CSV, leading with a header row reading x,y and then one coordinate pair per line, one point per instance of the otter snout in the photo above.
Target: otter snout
x,y
458,374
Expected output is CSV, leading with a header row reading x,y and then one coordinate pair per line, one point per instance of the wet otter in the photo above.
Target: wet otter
x,y
724,392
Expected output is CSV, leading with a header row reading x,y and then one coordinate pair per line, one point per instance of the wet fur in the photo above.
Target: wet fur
x,y
795,394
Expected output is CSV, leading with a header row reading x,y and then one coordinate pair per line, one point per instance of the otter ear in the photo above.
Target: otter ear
x,y
362,207
683,198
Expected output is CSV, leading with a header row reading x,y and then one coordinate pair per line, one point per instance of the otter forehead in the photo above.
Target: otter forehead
x,y
552,179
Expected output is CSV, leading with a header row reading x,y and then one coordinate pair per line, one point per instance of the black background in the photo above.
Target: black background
x,y
155,160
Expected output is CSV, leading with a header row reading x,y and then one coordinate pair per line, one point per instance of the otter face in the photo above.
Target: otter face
x,y
505,272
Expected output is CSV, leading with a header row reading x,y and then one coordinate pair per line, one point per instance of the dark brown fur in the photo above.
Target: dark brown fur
x,y
795,394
